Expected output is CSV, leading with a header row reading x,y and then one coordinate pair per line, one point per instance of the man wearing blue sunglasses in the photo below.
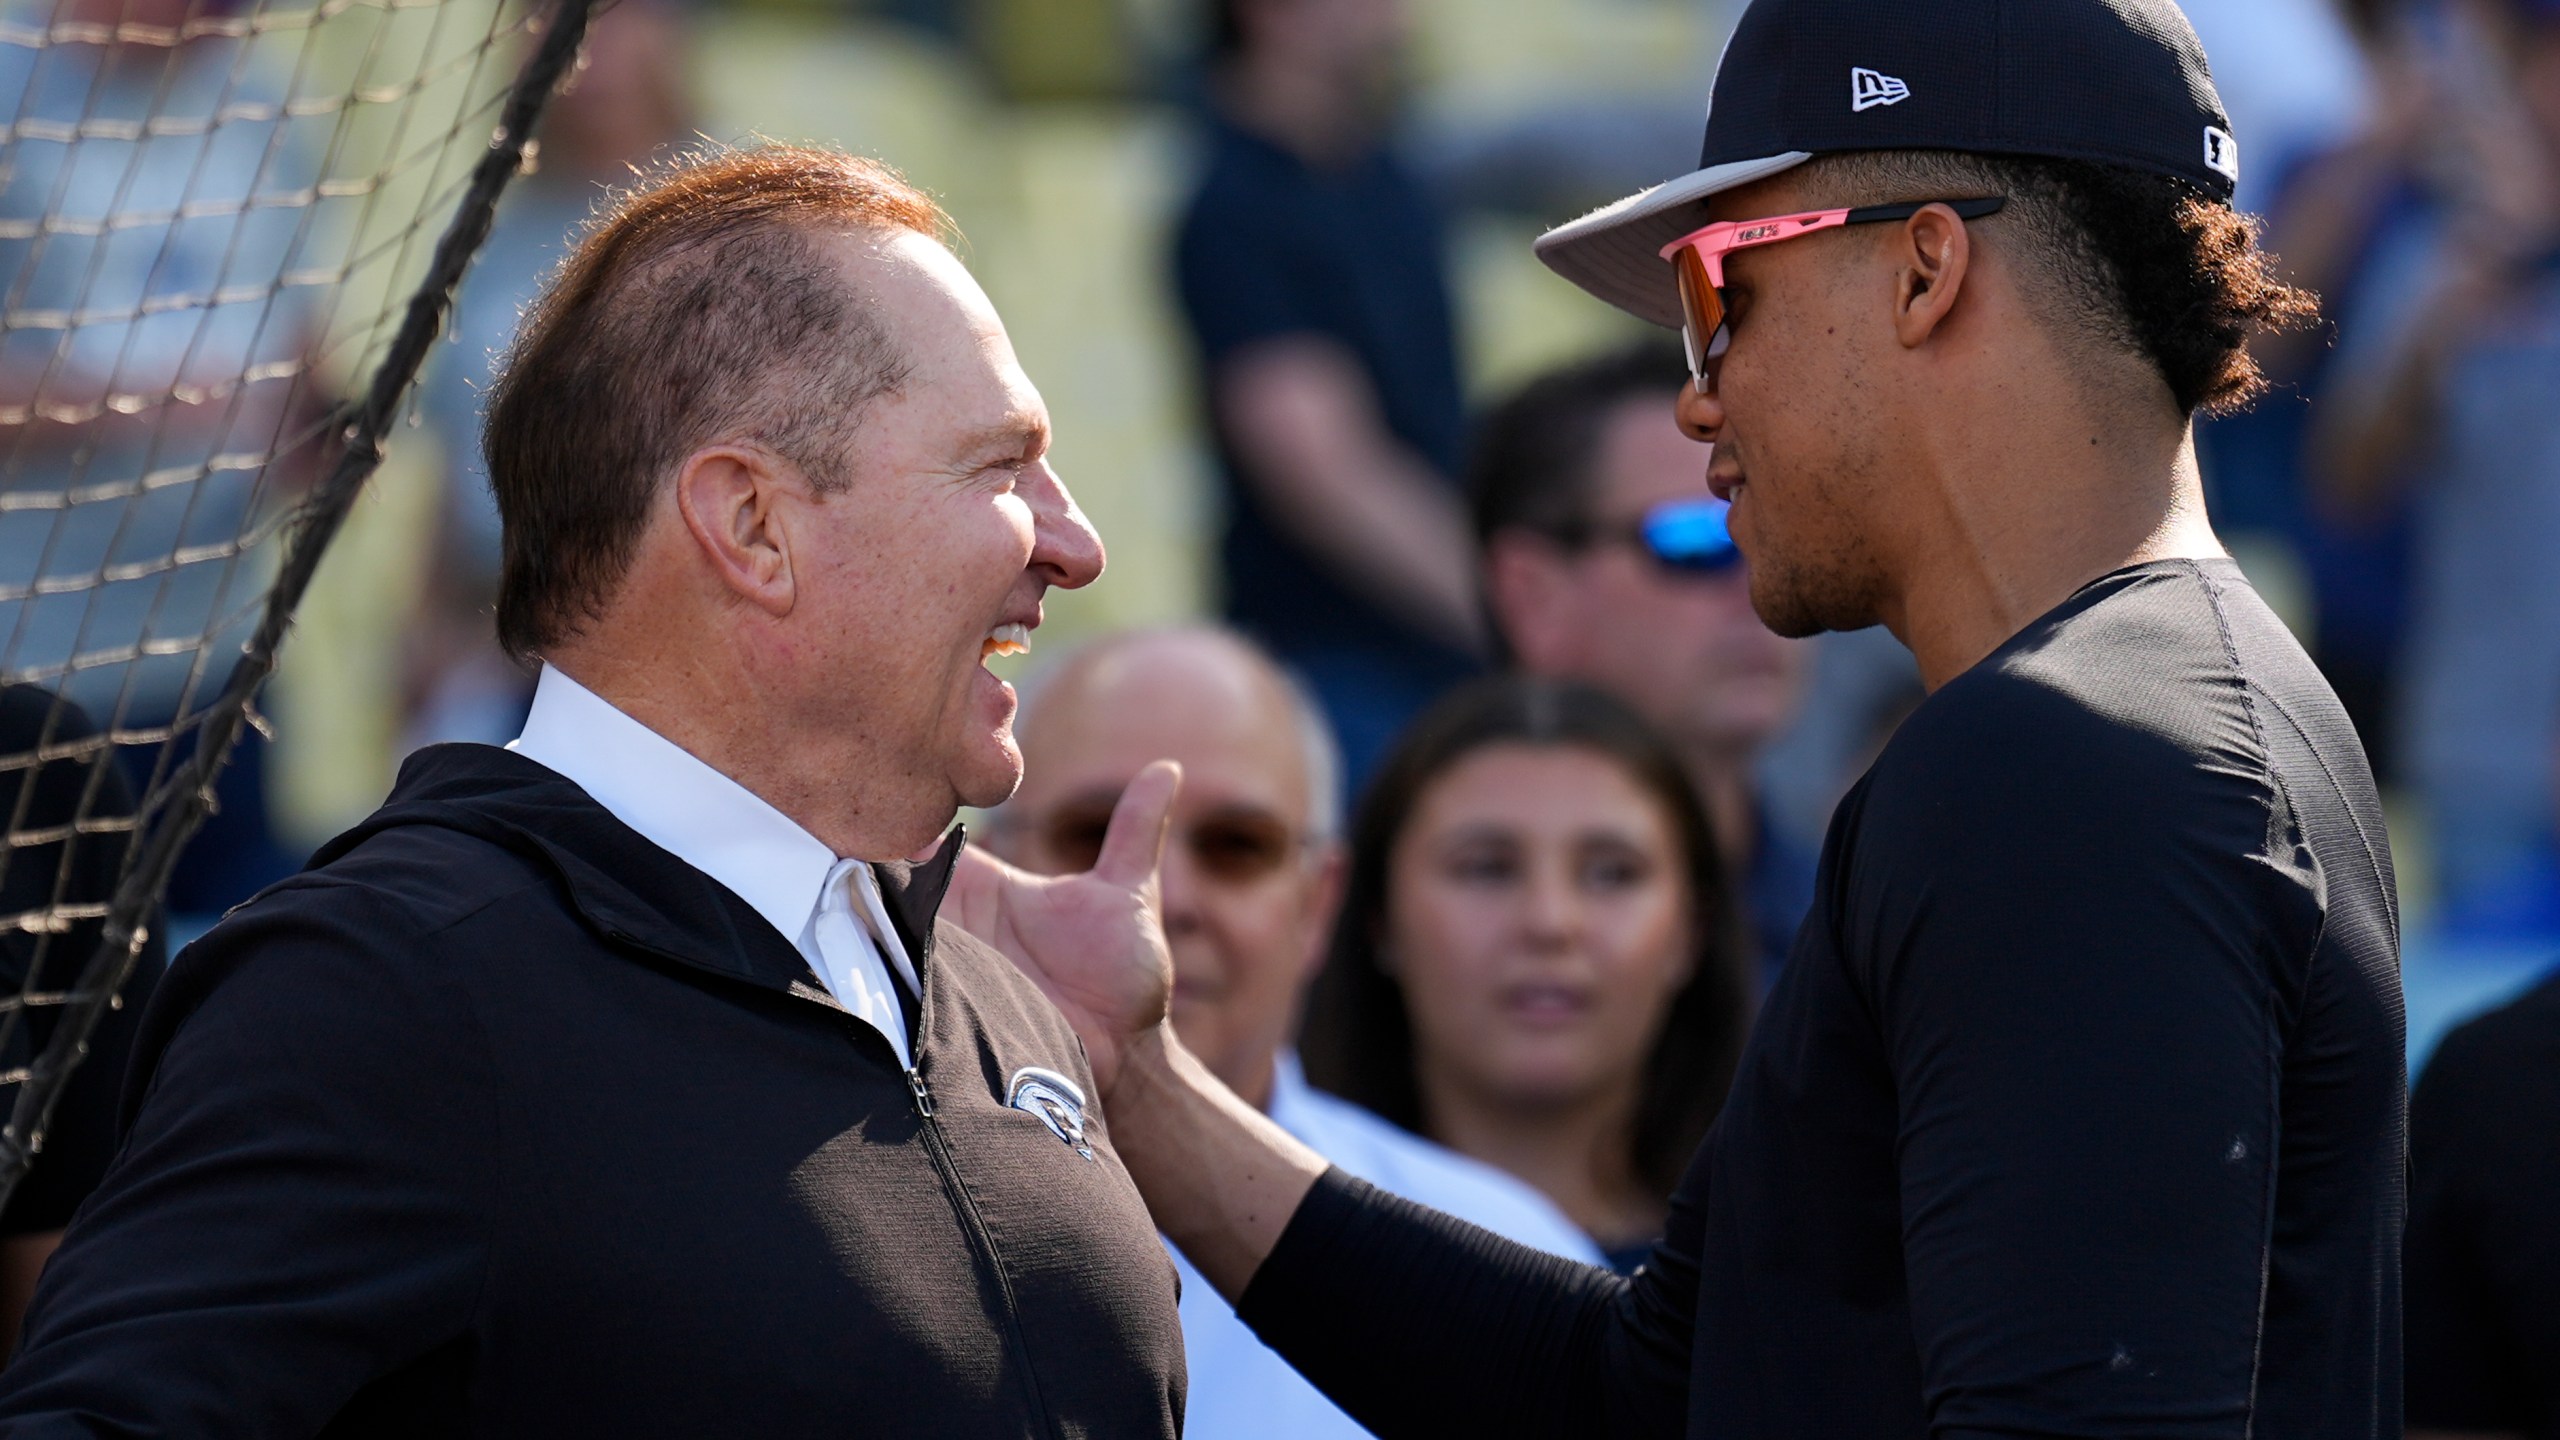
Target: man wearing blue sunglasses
x,y
1607,560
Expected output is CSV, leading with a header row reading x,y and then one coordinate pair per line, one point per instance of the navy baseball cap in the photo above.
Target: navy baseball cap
x,y
2118,81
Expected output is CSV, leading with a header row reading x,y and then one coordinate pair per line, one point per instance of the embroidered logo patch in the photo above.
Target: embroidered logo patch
x,y
2222,153
1871,88
1053,1100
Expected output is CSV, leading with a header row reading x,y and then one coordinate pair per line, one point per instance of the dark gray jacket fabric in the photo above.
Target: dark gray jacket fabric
x,y
500,1121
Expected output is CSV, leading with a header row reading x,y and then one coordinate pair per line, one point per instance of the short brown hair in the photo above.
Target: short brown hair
x,y
694,309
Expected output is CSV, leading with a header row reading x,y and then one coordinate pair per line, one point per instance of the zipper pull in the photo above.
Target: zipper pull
x,y
923,1094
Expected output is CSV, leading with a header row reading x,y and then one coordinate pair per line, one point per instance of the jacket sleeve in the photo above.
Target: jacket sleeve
x,y
1419,1324
299,1205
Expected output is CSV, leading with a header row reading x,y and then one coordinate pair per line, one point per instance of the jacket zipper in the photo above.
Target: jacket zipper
x,y
939,1147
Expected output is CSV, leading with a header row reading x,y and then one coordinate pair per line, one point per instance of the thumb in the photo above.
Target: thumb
x,y
1134,845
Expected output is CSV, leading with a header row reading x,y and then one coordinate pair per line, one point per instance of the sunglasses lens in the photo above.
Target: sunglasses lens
x,y
1690,535
1229,847
1238,847
1701,316
1074,837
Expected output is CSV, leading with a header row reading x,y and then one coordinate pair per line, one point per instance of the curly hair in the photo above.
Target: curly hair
x,y
2138,262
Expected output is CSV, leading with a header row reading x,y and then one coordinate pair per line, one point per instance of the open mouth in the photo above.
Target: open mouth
x,y
1005,640
1542,1004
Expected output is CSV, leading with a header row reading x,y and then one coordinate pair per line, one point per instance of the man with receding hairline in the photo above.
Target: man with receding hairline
x,y
623,1081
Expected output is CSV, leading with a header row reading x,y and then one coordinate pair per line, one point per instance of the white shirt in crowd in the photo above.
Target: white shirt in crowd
x,y
830,908
1240,1388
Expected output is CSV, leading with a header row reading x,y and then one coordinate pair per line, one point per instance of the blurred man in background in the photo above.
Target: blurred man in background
x,y
1606,560
2483,1257
2446,375
1310,270
1252,877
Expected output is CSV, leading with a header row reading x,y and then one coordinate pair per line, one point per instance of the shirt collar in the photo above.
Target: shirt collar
x,y
676,802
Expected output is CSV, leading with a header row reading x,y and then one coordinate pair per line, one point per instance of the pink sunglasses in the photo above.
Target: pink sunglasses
x,y
1697,258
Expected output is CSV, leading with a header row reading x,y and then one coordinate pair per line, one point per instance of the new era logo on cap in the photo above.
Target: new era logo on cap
x,y
1871,88
2222,153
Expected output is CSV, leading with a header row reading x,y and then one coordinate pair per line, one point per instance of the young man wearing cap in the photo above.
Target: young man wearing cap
x,y
2079,1108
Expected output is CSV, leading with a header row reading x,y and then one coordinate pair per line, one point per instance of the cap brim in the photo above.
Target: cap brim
x,y
1615,252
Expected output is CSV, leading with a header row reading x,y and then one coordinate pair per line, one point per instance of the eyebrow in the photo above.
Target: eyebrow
x,y
1107,797
1020,433
1476,831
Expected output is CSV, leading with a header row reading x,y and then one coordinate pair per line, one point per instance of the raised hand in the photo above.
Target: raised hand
x,y
1218,1176
1094,942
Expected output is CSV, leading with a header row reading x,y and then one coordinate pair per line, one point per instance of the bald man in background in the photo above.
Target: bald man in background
x,y
1252,877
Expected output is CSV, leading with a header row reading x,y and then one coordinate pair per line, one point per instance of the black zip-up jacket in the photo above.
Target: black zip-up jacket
x,y
500,1120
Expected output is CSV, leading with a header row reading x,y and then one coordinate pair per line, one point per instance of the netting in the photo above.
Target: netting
x,y
229,233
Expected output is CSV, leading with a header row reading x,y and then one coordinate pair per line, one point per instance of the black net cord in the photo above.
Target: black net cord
x,y
321,515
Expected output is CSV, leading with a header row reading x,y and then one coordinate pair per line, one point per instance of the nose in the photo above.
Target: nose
x,y
1551,913
1065,549
1178,889
1700,413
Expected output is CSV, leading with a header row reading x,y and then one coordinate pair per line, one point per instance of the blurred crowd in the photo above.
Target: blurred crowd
x,y
1413,571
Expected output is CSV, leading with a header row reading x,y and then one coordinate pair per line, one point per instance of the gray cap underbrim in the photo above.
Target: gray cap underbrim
x,y
1615,252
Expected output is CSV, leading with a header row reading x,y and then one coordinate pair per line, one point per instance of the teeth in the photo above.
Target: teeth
x,y
1006,640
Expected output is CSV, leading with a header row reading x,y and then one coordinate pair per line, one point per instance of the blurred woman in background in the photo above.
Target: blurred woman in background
x,y
1537,964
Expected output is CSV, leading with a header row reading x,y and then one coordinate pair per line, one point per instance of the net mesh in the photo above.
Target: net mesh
x,y
229,232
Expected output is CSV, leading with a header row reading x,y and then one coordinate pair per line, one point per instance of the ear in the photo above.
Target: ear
x,y
1936,253
1527,581
730,498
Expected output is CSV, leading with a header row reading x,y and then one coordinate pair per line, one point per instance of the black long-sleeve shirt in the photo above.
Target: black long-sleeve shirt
x,y
2077,1111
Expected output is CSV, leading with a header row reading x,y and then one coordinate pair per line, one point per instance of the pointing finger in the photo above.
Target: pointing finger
x,y
1134,844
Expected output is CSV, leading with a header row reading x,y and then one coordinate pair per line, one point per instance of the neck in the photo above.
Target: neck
x,y
1306,111
717,714
2015,521
1575,1152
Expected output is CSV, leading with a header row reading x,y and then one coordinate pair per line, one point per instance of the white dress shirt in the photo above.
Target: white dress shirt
x,y
830,908
1240,1388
